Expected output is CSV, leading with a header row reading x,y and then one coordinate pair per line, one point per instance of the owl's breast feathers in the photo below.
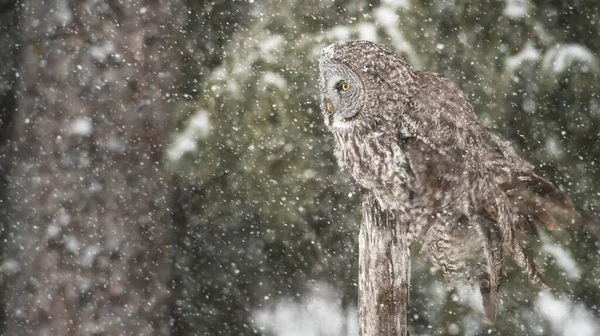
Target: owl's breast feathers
x,y
376,161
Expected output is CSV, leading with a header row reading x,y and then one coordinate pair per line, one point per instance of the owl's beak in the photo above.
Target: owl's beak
x,y
327,111
328,105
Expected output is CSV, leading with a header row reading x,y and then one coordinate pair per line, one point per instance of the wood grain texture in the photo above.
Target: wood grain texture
x,y
384,272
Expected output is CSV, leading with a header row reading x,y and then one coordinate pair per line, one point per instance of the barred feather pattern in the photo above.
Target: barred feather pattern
x,y
377,163
413,140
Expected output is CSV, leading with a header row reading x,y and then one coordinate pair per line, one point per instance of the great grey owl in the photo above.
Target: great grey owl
x,y
413,140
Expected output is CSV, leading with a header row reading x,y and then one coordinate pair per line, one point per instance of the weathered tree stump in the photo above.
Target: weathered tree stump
x,y
384,272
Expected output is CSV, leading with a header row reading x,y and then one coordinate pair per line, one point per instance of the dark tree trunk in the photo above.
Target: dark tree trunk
x,y
9,42
384,273
88,244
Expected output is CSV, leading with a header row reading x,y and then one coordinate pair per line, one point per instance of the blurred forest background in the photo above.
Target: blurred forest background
x,y
164,168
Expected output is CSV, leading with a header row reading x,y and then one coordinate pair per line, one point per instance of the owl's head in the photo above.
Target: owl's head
x,y
359,81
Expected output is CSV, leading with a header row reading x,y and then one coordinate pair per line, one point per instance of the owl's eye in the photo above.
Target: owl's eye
x,y
342,86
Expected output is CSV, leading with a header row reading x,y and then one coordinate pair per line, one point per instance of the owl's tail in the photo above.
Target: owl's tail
x,y
521,204
529,200
536,201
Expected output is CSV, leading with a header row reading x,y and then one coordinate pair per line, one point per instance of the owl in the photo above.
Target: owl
x,y
412,139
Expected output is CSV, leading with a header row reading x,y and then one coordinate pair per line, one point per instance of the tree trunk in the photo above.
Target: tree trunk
x,y
88,243
9,41
384,273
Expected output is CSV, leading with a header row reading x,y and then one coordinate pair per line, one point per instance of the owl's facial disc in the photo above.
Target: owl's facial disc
x,y
343,96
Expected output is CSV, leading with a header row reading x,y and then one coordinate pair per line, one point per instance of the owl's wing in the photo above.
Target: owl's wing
x,y
447,146
458,164
442,139
440,116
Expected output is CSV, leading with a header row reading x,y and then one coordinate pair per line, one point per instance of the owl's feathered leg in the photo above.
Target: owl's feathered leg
x,y
492,266
440,244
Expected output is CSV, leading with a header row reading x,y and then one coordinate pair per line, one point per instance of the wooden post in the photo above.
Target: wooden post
x,y
384,273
